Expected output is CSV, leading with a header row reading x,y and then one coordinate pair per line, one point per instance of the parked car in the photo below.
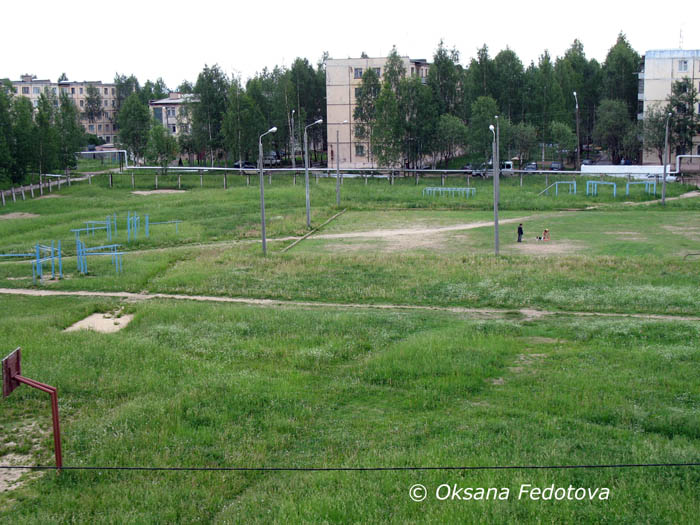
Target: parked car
x,y
531,166
270,159
587,162
481,171
468,168
556,166
246,165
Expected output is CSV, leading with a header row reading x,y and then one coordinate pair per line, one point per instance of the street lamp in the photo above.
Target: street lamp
x,y
262,187
306,171
665,158
578,138
294,156
496,170
337,164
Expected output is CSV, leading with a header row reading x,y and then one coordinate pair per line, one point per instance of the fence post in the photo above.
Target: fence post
x,y
201,181
2,193
178,180
132,180
41,184
31,190
14,199
23,197
156,180
111,181
225,180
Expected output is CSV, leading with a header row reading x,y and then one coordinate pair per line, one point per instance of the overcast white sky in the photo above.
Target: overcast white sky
x,y
174,39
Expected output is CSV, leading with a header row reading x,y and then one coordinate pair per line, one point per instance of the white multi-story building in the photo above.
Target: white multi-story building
x,y
660,69
104,126
173,112
343,80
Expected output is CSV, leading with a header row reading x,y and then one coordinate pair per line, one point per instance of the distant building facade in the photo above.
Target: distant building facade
x,y
660,69
104,126
173,112
343,80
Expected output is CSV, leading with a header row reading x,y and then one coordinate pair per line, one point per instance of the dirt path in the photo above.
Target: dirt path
x,y
528,313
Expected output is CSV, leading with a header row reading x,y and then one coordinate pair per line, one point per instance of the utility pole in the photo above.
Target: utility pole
x,y
496,189
666,159
262,187
578,138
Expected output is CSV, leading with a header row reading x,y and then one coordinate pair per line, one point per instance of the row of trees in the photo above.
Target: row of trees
x,y
225,118
37,140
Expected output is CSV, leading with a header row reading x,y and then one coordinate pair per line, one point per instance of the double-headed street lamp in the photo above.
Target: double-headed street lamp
x,y
666,160
306,171
262,187
496,183
337,164
578,138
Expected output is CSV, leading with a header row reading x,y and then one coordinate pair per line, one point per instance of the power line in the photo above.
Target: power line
x,y
361,469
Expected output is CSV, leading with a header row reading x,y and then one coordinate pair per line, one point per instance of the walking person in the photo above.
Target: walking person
x,y
520,232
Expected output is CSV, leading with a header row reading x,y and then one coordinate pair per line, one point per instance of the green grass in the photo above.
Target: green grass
x,y
198,384
203,385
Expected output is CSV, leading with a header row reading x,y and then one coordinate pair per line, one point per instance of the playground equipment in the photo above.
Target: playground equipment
x,y
43,253
592,187
109,225
452,192
649,186
149,224
83,252
570,183
133,224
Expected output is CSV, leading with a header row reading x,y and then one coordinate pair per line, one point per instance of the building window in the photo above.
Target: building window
x,y
106,91
35,102
108,138
82,103
106,103
358,72
113,91
81,91
173,128
358,92
378,71
25,90
54,90
72,91
682,65
91,128
36,90
113,102
106,127
99,127
413,71
359,150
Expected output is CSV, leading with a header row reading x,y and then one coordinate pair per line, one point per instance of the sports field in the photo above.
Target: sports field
x,y
392,337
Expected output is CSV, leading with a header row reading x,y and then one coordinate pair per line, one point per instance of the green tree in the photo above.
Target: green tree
x,y
451,137
365,112
654,130
46,132
208,112
23,137
482,116
619,72
417,106
444,77
508,73
685,123
243,124
93,103
388,129
71,137
125,86
523,140
564,138
611,127
161,148
394,70
134,122
63,78
153,91
6,137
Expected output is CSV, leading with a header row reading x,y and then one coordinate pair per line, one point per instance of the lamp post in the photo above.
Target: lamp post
x,y
496,170
337,164
262,187
306,171
294,153
578,138
665,159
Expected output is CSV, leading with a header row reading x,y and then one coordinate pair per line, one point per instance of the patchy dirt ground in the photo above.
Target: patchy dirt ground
x,y
50,196
104,323
27,433
156,192
627,236
18,215
689,232
548,247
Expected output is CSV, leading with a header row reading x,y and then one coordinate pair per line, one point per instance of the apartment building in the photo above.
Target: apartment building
x,y
343,80
173,112
660,69
104,126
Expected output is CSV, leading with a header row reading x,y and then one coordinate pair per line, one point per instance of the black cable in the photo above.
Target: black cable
x,y
361,469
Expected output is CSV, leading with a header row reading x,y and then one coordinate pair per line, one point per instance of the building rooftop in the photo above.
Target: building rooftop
x,y
673,53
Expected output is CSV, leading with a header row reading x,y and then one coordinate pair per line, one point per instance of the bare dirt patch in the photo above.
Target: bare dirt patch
x,y
104,323
18,215
29,433
9,478
541,340
157,192
689,232
50,196
627,236
548,247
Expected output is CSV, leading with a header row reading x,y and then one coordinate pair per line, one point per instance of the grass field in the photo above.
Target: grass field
x,y
433,353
